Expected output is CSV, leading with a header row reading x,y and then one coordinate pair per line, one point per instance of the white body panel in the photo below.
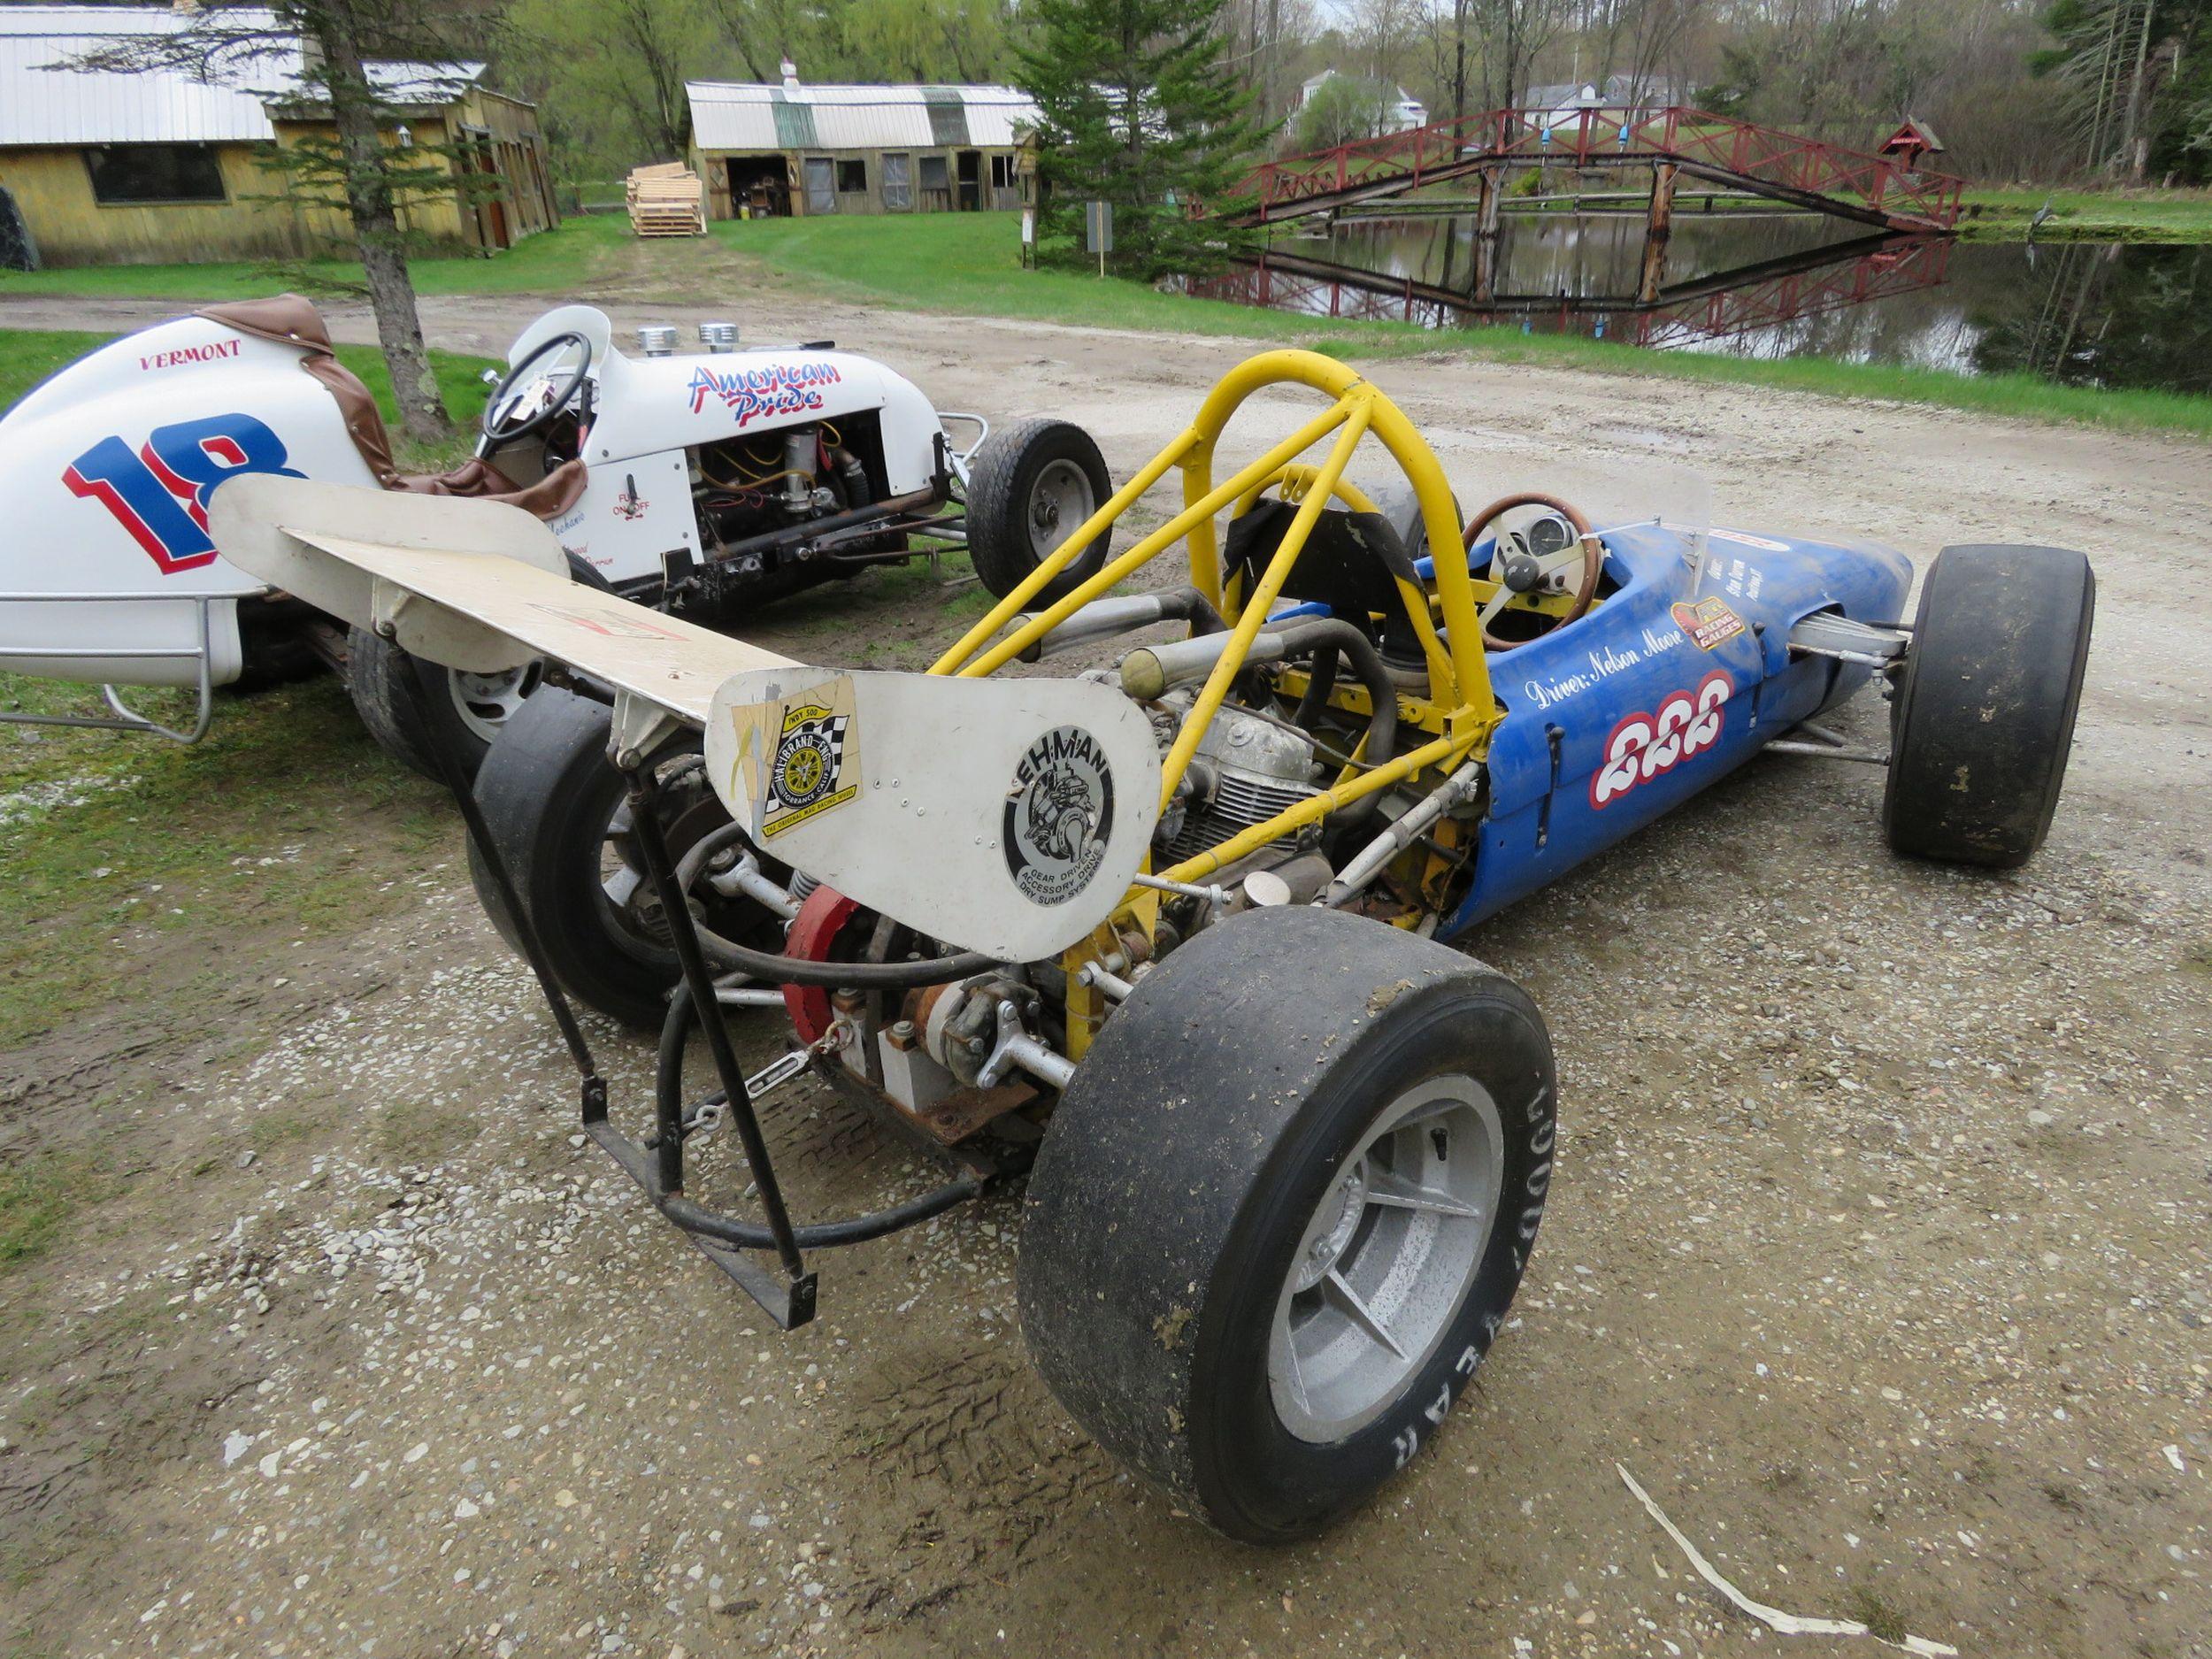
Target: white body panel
x,y
632,515
915,787
229,403
1020,847
191,388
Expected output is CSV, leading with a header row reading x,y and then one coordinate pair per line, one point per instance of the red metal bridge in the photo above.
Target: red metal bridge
x,y
1772,294
1887,190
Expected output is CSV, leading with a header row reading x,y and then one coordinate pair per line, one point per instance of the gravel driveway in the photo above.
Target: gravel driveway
x,y
1877,1251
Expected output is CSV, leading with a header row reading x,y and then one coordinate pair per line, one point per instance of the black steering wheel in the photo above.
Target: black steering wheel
x,y
505,417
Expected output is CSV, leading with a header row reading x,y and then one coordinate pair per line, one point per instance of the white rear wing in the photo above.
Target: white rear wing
x,y
1005,816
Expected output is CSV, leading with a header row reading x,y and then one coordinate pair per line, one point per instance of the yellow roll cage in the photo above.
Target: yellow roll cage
x,y
1459,710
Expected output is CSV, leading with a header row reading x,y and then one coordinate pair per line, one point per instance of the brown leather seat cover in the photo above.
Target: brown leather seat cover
x,y
291,320
549,498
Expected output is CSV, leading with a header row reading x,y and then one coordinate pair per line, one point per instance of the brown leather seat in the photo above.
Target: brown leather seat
x,y
291,320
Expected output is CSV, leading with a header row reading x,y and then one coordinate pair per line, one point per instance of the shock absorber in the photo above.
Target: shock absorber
x,y
798,470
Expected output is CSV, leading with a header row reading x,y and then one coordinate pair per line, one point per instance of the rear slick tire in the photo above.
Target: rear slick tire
x,y
1301,1129
1983,717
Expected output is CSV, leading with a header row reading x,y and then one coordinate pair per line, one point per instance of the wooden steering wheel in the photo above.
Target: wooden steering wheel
x,y
1526,572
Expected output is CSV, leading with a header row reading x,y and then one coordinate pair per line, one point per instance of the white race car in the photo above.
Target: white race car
x,y
702,483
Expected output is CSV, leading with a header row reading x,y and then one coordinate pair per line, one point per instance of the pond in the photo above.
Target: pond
x,y
1770,286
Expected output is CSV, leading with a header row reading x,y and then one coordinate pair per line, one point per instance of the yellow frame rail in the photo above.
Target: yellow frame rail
x,y
1459,675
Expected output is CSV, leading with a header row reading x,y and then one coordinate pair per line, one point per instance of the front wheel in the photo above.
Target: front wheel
x,y
419,711
1282,1208
1983,717
1032,485
415,710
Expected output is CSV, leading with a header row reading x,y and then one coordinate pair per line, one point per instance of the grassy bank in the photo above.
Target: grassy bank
x,y
971,265
2156,216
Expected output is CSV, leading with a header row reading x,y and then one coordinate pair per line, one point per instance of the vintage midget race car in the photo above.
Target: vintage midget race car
x,y
1153,937
706,482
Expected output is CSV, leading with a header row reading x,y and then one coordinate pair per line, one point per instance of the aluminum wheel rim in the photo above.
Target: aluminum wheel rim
x,y
485,702
1059,501
1387,1258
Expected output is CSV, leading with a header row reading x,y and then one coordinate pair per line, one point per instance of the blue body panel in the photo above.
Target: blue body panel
x,y
1678,677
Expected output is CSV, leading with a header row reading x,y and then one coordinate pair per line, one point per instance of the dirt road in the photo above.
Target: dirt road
x,y
1877,1252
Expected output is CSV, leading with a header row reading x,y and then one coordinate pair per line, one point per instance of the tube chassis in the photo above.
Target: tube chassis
x,y
1450,727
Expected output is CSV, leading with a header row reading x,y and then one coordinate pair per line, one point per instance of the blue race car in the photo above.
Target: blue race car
x,y
1167,937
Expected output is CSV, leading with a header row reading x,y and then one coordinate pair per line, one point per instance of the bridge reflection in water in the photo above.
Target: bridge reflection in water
x,y
1713,305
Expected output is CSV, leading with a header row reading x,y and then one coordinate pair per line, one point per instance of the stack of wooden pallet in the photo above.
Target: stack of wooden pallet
x,y
667,200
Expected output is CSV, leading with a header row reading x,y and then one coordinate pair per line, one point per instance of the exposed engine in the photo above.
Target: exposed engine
x,y
771,506
1248,770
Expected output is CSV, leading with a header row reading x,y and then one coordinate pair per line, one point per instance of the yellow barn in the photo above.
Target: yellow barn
x,y
157,166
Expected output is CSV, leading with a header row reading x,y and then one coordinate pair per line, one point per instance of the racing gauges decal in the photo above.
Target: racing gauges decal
x,y
816,752
1059,813
1708,623
1642,746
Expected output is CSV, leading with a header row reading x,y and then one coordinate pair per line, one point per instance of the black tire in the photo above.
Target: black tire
x,y
1020,506
1184,1167
415,709
550,798
1983,717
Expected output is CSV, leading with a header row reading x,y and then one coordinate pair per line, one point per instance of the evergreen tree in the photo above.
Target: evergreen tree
x,y
1138,109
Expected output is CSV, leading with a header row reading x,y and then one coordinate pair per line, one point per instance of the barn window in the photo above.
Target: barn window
x,y
936,185
898,183
819,197
124,173
852,178
1001,172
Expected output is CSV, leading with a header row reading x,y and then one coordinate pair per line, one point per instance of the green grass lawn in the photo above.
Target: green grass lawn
x,y
2163,216
552,261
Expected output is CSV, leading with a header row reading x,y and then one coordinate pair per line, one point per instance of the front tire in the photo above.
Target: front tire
x,y
1983,717
1032,485
415,710
558,813
1282,1208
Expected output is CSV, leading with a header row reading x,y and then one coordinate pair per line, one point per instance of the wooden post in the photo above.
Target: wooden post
x,y
1658,230
1489,181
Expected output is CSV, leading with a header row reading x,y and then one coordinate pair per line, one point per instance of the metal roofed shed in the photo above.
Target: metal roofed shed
x,y
768,150
157,164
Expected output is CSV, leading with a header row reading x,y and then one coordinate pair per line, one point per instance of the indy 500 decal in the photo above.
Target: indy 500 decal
x,y
770,388
159,491
1642,746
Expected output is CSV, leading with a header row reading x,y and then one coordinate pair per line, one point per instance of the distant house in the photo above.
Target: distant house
x,y
767,150
1560,105
157,165
1402,110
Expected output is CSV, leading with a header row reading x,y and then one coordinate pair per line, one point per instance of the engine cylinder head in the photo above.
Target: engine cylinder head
x,y
718,336
657,340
